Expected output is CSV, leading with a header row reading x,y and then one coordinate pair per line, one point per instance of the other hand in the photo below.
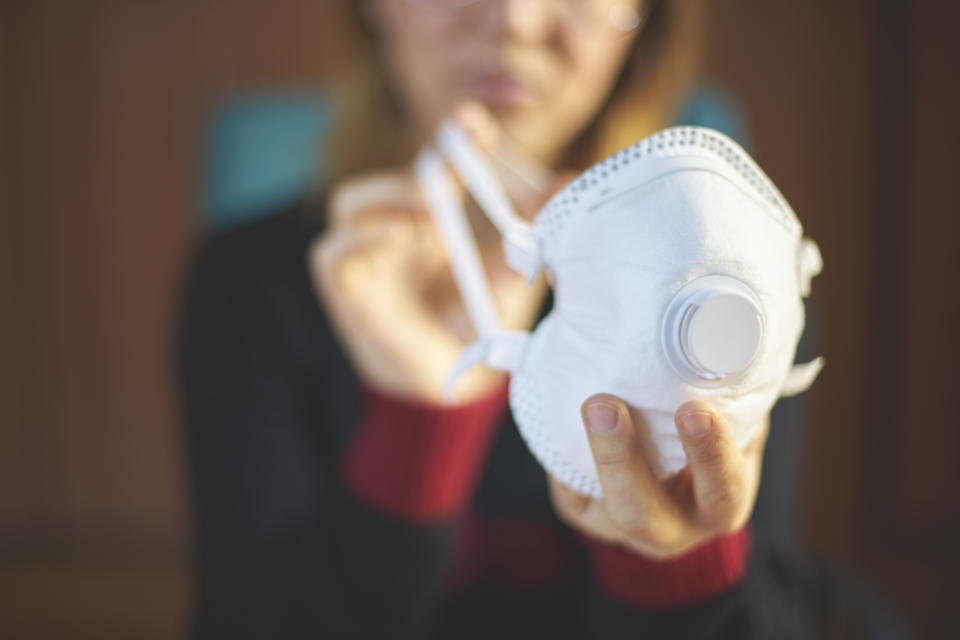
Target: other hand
x,y
382,272
713,495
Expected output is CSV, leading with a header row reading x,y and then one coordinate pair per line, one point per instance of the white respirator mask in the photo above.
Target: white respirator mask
x,y
678,272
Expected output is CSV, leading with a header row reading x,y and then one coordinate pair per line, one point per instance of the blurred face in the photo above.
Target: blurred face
x,y
543,67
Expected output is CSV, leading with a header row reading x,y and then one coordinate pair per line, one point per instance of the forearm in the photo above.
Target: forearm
x,y
406,476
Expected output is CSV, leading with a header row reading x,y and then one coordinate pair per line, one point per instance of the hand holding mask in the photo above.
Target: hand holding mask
x,y
678,271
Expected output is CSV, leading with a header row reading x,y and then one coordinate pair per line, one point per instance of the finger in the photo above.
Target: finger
x,y
375,197
581,512
527,181
347,256
572,503
631,494
479,123
720,473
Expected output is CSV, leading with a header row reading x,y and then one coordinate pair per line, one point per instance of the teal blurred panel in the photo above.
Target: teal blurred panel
x,y
709,105
262,152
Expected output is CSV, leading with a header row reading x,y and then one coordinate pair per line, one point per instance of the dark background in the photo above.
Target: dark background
x,y
852,108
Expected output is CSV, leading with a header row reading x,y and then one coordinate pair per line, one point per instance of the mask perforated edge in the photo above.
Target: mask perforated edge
x,y
589,188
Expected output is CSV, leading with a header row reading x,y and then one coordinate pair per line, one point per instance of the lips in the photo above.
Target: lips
x,y
499,88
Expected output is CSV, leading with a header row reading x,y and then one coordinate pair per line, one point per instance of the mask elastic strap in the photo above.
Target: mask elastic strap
x,y
501,351
800,377
448,214
494,347
810,262
520,244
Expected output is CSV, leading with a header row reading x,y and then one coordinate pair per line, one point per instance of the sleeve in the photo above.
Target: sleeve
x,y
706,571
724,589
293,539
698,594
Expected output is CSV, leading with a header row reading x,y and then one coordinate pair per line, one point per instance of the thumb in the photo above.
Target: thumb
x,y
626,478
479,123
526,180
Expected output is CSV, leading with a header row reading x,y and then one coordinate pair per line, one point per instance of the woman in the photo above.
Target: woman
x,y
334,491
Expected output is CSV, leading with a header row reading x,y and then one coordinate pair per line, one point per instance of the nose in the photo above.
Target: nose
x,y
529,20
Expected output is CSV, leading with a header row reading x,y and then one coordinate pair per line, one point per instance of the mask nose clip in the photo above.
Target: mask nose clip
x,y
713,329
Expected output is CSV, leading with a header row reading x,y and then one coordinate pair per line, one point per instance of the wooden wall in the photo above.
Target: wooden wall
x,y
101,107
102,104
851,105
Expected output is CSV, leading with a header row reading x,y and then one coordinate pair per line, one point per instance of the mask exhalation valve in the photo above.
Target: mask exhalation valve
x,y
712,329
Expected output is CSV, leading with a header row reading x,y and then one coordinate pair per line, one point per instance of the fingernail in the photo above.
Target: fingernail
x,y
602,418
697,424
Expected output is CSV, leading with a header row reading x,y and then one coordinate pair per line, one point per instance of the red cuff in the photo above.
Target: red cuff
x,y
700,574
419,461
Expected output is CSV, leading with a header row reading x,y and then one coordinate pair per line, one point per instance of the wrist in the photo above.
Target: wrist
x,y
422,383
417,460
704,572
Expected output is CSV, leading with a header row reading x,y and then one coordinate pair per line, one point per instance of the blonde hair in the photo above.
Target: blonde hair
x,y
654,79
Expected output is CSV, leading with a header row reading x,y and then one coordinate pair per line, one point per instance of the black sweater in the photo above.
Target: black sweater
x,y
287,545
